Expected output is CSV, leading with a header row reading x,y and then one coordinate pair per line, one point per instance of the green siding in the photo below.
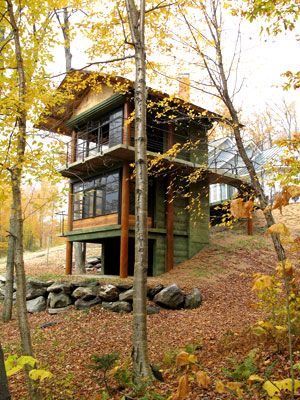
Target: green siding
x,y
199,221
160,204
159,256
180,249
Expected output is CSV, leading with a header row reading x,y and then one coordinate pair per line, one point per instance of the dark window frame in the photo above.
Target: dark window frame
x,y
92,185
105,131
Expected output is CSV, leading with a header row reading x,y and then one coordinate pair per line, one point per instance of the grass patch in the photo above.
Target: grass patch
x,y
205,272
241,242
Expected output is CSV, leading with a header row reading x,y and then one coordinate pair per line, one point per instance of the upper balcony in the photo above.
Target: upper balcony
x,y
111,139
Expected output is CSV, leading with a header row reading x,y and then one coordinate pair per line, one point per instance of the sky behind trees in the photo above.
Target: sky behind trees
x,y
263,59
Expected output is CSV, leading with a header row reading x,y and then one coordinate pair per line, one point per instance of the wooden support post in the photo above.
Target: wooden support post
x,y
124,222
250,226
73,147
170,210
69,244
69,257
126,126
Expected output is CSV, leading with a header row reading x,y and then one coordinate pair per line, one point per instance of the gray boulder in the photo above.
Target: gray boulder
x,y
60,287
124,286
170,297
84,303
126,296
85,283
37,304
193,300
35,288
58,300
2,292
93,260
152,310
85,291
117,306
152,292
54,311
108,292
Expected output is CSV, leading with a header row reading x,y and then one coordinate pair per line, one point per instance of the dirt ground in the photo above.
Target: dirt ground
x,y
219,329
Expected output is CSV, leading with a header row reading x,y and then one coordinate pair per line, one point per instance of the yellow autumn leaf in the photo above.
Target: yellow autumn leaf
x,y
265,324
220,387
255,378
280,328
203,379
234,386
274,388
258,330
279,228
40,374
14,370
182,359
183,388
192,359
262,282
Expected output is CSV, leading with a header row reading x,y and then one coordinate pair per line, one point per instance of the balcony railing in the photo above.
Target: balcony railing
x,y
95,142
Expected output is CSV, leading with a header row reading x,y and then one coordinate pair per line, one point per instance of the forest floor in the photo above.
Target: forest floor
x,y
218,332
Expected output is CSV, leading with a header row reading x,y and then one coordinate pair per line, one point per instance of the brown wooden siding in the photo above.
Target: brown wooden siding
x,y
102,220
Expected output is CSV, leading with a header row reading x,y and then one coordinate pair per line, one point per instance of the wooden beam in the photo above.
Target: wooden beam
x,y
69,244
170,209
250,225
124,222
73,147
126,127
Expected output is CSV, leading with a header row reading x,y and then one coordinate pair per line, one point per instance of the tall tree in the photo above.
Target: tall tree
x,y
215,66
25,50
141,366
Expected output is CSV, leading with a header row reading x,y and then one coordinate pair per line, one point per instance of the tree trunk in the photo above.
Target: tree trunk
x,y
141,366
10,262
16,177
67,45
221,85
80,255
4,391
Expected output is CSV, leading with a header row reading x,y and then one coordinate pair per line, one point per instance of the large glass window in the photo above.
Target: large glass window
x,y
97,136
95,197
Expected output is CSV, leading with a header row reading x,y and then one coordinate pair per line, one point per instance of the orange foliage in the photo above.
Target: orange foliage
x,y
282,199
241,209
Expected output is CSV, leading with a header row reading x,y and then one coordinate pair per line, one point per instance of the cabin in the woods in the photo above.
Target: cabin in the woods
x,y
96,118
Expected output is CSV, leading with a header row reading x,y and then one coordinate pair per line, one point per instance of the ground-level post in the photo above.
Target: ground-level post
x,y
170,209
124,222
69,245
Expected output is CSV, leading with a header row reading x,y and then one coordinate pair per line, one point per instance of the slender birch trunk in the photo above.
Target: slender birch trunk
x,y
16,177
10,262
141,366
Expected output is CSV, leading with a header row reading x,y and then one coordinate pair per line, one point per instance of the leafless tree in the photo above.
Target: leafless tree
x,y
214,63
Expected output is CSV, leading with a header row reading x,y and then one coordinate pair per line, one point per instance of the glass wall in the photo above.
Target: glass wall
x,y
97,136
97,196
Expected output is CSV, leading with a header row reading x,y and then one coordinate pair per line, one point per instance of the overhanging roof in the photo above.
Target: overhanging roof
x,y
75,86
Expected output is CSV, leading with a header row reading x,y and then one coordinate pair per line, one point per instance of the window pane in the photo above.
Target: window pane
x,y
112,202
116,128
88,204
99,202
77,187
77,207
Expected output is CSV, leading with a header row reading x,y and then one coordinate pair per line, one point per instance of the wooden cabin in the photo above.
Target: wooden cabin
x,y
99,156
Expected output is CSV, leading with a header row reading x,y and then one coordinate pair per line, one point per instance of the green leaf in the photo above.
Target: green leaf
x,y
14,370
10,362
40,374
26,360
